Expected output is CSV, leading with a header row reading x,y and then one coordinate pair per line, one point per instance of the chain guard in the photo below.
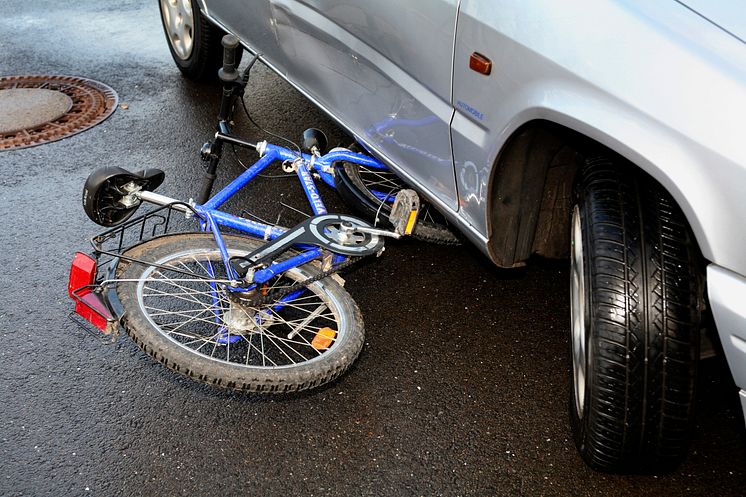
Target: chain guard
x,y
322,231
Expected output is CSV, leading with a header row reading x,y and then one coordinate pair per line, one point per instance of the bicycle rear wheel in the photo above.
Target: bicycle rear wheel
x,y
185,319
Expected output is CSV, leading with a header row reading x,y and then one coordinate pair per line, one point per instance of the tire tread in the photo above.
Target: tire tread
x,y
234,378
644,322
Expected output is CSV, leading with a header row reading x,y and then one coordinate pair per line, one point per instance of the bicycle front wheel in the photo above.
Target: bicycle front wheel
x,y
371,192
178,311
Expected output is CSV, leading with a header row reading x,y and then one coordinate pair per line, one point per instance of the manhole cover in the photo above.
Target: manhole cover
x,y
41,109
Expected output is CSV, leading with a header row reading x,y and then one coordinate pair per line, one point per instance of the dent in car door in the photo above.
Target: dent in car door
x,y
250,20
383,68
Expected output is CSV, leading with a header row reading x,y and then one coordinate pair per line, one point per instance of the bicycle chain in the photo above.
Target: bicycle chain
x,y
278,294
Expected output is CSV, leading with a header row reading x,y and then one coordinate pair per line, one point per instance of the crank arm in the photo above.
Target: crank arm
x,y
333,232
374,231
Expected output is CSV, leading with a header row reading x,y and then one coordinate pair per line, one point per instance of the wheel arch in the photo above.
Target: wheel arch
x,y
531,182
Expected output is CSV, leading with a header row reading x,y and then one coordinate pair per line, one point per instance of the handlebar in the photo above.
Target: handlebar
x,y
228,73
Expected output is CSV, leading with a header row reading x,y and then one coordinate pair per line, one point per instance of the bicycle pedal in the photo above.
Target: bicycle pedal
x,y
405,211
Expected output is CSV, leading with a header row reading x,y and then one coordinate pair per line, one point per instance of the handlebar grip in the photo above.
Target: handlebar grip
x,y
228,73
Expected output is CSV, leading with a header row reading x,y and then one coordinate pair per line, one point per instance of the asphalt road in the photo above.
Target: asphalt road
x,y
460,390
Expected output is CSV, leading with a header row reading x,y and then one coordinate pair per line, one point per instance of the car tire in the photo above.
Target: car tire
x,y
194,42
636,293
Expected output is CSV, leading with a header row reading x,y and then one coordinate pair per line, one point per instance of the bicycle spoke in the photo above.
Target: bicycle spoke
x,y
290,324
260,351
294,323
326,316
207,272
388,179
181,296
191,318
194,337
198,315
182,287
261,338
271,339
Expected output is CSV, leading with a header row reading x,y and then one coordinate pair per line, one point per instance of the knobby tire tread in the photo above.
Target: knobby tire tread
x,y
246,380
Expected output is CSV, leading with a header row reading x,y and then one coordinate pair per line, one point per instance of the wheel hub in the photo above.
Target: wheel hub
x,y
179,22
239,320
244,316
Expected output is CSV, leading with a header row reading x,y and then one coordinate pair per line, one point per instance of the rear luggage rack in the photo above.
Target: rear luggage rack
x,y
97,307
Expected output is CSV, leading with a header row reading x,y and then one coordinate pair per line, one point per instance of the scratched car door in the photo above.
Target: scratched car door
x,y
384,69
251,20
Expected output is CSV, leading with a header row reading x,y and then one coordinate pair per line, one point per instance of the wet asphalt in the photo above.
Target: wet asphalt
x,y
460,390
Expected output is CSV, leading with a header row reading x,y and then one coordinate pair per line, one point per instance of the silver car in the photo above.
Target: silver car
x,y
607,131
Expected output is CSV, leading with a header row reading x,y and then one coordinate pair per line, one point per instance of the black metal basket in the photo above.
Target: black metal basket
x,y
110,246
169,219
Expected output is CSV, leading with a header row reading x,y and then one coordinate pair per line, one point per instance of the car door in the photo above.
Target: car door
x,y
251,20
383,69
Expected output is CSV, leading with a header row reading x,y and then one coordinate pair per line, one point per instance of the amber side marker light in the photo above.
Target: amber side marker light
x,y
480,63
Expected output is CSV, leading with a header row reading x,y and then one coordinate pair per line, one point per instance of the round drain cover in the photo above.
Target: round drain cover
x,y
41,109
25,108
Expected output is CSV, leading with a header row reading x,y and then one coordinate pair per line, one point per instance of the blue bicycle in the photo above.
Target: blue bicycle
x,y
240,303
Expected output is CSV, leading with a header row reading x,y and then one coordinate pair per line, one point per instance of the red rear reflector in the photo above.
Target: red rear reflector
x,y
82,273
88,304
90,308
480,63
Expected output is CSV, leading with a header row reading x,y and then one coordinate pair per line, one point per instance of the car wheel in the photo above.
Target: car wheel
x,y
193,41
635,320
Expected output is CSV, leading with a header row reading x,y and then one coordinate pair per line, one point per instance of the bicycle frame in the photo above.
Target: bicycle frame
x,y
96,298
304,164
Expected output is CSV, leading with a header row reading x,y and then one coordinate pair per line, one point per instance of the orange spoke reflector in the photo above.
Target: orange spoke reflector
x,y
265,289
323,339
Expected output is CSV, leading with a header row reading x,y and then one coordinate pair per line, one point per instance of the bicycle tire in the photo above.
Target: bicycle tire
x,y
157,296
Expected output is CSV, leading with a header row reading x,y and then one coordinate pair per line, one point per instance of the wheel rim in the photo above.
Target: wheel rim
x,y
579,333
184,310
178,21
